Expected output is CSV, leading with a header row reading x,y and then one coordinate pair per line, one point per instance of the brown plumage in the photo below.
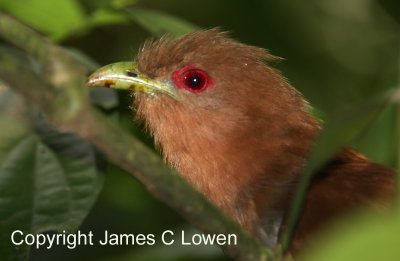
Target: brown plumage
x,y
244,139
346,183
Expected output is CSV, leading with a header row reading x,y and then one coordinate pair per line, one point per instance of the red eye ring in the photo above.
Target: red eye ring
x,y
192,78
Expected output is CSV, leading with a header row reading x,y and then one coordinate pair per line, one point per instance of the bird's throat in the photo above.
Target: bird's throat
x,y
233,165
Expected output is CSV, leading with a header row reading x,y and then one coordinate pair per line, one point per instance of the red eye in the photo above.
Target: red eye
x,y
192,79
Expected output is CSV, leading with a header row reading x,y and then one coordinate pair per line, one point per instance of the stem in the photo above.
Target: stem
x,y
296,208
397,140
23,37
337,132
63,100
397,132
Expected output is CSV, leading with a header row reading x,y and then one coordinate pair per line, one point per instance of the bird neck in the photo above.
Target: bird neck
x,y
246,167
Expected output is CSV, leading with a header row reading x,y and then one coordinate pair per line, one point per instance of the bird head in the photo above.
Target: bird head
x,y
229,123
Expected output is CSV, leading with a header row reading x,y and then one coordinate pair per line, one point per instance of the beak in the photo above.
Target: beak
x,y
126,76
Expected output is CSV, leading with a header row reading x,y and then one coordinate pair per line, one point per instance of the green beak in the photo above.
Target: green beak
x,y
126,76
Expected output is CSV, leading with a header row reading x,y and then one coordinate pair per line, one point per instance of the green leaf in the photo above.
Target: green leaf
x,y
48,179
379,140
54,18
99,17
107,17
362,238
339,130
343,127
118,4
159,23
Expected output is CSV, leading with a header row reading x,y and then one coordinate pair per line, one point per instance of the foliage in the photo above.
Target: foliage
x,y
339,54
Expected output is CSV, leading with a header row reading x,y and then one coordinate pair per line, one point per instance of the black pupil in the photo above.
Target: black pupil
x,y
194,81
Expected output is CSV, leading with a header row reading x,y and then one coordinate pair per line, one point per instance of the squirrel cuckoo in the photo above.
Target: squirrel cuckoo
x,y
240,133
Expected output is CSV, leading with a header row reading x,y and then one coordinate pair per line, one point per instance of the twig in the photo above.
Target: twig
x,y
62,98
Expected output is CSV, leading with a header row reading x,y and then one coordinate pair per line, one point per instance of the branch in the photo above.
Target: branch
x,y
63,99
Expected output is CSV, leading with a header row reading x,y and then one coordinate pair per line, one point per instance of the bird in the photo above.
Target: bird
x,y
235,128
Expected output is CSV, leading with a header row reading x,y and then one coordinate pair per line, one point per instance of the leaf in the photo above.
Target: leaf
x,y
118,4
379,140
48,179
54,18
159,23
99,17
343,127
361,238
106,17
339,130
